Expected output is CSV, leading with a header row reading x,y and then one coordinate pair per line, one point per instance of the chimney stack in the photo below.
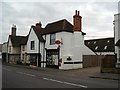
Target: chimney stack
x,y
38,25
77,21
13,32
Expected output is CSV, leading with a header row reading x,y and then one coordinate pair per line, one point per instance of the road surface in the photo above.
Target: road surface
x,y
16,77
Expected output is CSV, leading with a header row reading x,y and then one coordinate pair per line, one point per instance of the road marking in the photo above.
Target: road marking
x,y
26,74
65,82
6,69
29,74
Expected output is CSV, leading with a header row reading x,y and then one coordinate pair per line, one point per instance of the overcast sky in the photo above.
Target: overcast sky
x,y
97,16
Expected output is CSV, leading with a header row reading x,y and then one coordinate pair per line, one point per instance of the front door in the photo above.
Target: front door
x,y
33,60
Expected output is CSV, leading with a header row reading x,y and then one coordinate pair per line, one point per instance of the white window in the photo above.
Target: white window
x,y
52,39
108,41
94,42
96,47
105,47
32,47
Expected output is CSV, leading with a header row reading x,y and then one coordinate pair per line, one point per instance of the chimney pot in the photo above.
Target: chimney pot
x,y
78,13
39,24
13,31
77,22
75,12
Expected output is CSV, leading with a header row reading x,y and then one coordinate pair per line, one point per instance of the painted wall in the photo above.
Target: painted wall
x,y
4,48
23,54
32,37
43,54
73,46
117,34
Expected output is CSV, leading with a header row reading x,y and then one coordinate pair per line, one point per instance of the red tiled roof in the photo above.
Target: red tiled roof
x,y
18,40
58,26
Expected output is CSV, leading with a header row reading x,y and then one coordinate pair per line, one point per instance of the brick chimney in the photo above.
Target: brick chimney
x,y
38,25
13,32
77,21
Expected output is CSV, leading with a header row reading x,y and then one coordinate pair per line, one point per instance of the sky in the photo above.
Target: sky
x,y
97,15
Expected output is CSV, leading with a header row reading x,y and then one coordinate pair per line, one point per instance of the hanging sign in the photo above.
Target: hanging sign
x,y
57,42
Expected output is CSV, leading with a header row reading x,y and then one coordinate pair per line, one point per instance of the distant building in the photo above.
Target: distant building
x,y
102,46
117,37
14,46
4,52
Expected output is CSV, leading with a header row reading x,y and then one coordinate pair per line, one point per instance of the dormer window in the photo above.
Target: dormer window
x,y
52,39
94,42
108,41
96,47
105,47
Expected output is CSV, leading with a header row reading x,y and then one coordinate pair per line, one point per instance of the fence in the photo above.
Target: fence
x,y
92,60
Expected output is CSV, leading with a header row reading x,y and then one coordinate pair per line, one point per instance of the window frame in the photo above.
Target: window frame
x,y
52,39
32,45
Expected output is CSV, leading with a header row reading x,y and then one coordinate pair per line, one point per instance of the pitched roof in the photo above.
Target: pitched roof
x,y
18,40
58,26
38,32
101,45
118,43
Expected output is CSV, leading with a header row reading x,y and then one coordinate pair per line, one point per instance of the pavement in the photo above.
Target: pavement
x,y
91,72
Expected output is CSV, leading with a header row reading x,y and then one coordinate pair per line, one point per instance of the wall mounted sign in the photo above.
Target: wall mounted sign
x,y
69,58
57,42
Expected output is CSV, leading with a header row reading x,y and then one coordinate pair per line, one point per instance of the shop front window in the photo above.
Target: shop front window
x,y
52,57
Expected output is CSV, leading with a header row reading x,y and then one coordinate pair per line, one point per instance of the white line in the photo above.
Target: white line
x,y
29,74
6,69
26,74
65,82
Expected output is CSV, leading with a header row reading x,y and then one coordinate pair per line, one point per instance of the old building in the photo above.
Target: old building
x,y
4,52
64,44
102,46
14,46
35,46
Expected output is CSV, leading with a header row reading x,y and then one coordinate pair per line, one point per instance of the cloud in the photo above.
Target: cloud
x,y
97,16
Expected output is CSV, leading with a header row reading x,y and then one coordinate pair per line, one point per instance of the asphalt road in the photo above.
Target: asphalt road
x,y
16,77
